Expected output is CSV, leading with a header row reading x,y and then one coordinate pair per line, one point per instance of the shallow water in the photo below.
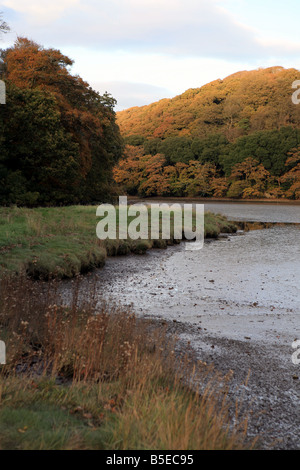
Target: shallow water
x,y
255,211
267,212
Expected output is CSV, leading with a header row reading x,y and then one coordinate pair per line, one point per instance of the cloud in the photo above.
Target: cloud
x,y
37,11
195,28
145,50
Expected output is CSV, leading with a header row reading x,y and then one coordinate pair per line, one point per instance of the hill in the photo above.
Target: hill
x,y
238,137
240,104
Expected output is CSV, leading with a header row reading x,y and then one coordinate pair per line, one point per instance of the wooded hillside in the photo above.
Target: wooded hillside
x,y
238,137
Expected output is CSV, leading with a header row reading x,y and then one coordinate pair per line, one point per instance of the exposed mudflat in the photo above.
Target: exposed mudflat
x,y
237,301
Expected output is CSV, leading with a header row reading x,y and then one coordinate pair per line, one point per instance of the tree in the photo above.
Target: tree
x,y
197,177
209,149
292,177
270,148
39,162
86,118
153,181
176,149
219,186
4,28
127,172
253,175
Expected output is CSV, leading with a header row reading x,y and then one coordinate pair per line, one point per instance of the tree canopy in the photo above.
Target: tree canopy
x,y
58,137
241,104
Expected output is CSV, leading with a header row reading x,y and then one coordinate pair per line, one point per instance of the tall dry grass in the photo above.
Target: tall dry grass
x,y
140,374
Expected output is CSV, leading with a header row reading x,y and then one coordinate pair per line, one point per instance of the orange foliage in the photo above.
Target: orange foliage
x,y
240,104
255,176
293,175
29,65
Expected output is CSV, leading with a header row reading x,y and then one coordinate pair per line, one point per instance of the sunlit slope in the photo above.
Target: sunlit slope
x,y
240,104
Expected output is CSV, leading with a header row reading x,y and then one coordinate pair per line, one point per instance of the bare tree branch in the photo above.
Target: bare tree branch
x,y
4,28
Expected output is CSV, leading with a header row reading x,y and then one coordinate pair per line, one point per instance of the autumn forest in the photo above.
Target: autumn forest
x,y
61,142
237,138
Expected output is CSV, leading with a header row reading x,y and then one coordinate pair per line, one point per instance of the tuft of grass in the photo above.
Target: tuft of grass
x,y
216,224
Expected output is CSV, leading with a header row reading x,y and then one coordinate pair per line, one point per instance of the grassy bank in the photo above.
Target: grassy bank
x,y
62,242
76,380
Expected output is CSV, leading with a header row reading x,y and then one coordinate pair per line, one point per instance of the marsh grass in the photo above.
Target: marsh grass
x,y
90,376
61,242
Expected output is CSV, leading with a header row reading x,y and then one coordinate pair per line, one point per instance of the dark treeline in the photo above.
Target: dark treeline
x,y
59,139
269,147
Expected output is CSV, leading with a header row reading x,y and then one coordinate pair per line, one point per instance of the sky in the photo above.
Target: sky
x,y
141,51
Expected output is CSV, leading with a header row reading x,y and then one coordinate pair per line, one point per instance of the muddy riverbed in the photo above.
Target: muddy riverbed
x,y
237,301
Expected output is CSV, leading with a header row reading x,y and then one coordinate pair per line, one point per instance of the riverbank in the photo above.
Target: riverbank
x,y
264,384
292,202
236,304
76,380
250,341
61,242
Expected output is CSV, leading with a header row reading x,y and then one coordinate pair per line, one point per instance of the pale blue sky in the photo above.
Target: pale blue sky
x,y
275,18
144,50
